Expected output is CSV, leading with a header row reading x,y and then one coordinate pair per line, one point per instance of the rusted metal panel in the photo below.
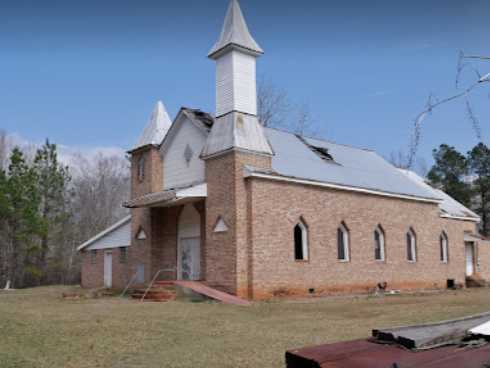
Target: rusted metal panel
x,y
367,354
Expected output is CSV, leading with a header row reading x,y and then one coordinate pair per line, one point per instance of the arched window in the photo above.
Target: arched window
x,y
141,168
443,243
411,246
300,242
343,243
379,244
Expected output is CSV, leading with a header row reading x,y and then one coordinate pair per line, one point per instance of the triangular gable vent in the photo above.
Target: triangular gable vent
x,y
141,235
220,226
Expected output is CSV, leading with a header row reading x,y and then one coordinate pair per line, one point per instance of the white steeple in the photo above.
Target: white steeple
x,y
156,128
236,125
235,54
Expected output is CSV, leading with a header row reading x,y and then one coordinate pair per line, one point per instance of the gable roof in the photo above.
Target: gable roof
x,y
156,128
202,120
235,33
115,236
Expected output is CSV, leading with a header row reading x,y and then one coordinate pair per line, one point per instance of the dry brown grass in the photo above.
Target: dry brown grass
x,y
40,329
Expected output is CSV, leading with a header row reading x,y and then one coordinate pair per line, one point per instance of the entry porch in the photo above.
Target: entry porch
x,y
171,227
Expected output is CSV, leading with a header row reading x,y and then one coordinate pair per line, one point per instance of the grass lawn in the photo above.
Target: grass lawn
x,y
40,329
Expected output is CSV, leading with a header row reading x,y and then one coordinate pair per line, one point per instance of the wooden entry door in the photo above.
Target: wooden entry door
x,y
108,270
470,258
190,258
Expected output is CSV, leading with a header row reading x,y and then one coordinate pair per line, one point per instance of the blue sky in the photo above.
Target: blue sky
x,y
88,73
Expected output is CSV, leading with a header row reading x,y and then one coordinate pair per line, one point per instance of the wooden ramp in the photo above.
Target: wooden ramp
x,y
202,289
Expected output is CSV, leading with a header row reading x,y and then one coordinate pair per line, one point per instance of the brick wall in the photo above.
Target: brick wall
x,y
141,251
152,181
93,274
276,207
483,259
226,254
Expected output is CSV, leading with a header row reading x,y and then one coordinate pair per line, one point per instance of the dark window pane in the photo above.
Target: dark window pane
x,y
340,244
298,243
441,247
377,246
409,247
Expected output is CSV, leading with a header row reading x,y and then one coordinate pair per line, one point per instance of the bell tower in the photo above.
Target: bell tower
x,y
235,54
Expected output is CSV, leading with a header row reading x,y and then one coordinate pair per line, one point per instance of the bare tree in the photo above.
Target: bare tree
x,y
100,186
3,149
275,110
463,93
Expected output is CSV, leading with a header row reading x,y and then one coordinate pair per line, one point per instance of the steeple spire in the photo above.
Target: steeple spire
x,y
235,34
156,128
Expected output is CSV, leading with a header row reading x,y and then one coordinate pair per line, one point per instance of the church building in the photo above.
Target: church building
x,y
260,213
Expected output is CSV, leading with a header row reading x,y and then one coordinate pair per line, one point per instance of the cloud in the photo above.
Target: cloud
x,y
68,155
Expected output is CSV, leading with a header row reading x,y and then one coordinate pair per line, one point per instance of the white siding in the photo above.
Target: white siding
x,y
236,87
119,237
245,89
224,84
176,171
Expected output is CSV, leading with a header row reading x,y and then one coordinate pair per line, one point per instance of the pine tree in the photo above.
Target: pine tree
x,y
53,179
479,162
448,173
23,222
4,210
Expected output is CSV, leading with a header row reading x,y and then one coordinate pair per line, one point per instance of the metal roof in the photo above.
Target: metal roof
x,y
449,206
107,232
235,33
431,335
156,128
352,167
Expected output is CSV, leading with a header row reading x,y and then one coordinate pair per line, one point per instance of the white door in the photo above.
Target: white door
x,y
190,261
189,244
470,259
108,270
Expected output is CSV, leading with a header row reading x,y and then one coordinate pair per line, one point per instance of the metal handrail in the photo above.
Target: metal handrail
x,y
153,281
129,284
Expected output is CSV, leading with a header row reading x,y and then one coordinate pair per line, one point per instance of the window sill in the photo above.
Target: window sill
x,y
301,261
344,260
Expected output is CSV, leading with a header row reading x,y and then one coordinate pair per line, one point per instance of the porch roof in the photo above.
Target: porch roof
x,y
472,237
169,198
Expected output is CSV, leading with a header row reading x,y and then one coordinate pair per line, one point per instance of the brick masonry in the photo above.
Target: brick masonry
x,y
226,254
277,207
